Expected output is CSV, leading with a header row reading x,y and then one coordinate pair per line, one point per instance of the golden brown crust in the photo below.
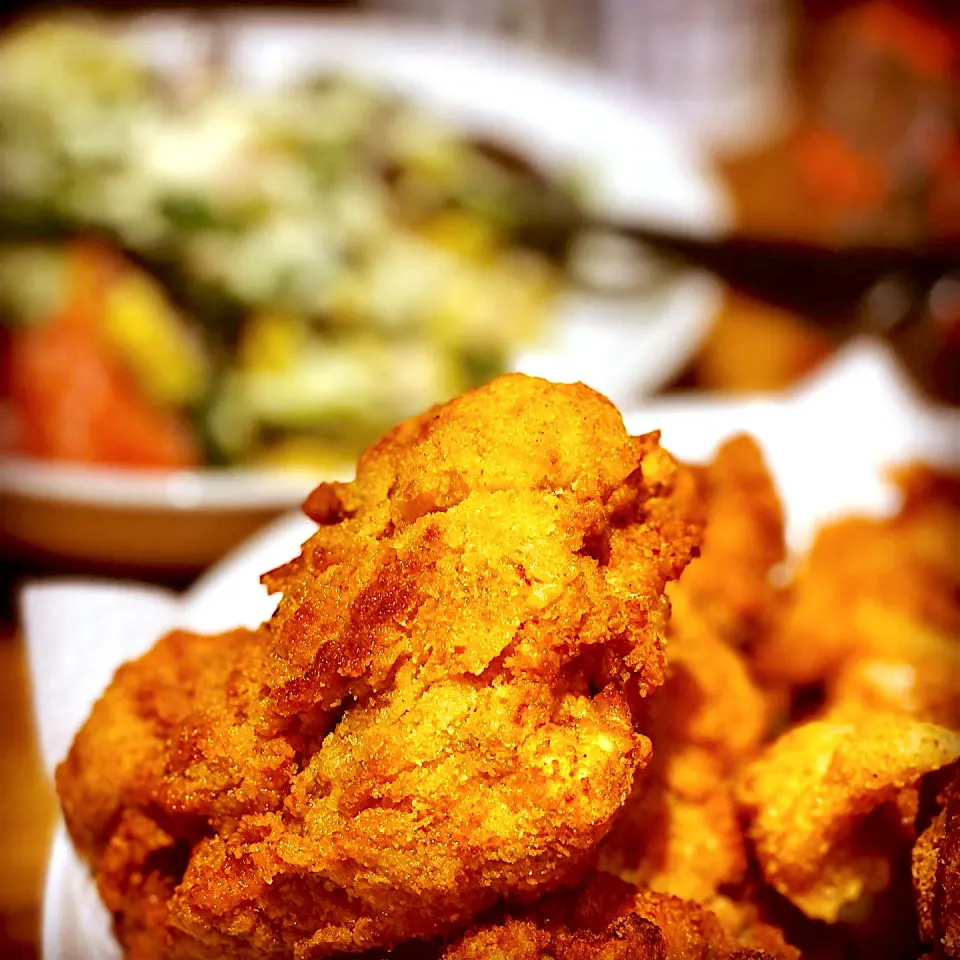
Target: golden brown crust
x,y
906,666
176,733
516,939
669,844
811,794
936,877
470,691
438,717
608,920
729,586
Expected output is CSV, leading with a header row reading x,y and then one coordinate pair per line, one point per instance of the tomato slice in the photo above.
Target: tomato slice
x,y
73,400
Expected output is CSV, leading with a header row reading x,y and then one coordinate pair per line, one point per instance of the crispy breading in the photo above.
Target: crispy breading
x,y
936,876
517,939
609,920
439,717
178,733
811,794
695,933
710,701
679,831
925,862
748,923
729,586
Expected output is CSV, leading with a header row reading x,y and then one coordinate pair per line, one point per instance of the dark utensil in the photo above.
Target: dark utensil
x,y
910,296
841,288
825,283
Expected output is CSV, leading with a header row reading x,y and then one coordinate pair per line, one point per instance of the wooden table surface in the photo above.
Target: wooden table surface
x,y
27,808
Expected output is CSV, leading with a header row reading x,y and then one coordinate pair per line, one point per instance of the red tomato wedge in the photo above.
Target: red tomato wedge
x,y
73,400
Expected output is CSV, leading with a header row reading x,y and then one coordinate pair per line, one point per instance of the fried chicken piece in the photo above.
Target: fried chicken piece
x,y
174,754
711,715
729,586
672,845
136,879
710,702
610,920
748,922
630,938
861,571
176,736
679,832
817,800
908,667
936,877
440,715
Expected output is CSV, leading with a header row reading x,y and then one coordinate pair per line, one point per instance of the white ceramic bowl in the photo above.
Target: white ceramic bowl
x,y
828,446
561,115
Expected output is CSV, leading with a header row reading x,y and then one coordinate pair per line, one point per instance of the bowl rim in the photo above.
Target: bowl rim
x,y
207,488
225,488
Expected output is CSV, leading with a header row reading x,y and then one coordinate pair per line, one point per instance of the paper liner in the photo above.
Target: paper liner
x,y
828,444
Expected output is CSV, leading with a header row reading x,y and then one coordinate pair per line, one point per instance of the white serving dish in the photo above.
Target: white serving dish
x,y
560,114
828,446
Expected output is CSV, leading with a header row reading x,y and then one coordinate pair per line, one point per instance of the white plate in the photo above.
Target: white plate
x,y
561,115
827,446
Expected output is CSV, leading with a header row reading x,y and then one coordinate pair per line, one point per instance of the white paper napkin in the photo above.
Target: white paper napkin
x,y
78,633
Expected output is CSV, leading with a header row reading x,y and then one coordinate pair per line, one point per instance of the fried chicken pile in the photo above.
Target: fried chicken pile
x,y
438,718
474,729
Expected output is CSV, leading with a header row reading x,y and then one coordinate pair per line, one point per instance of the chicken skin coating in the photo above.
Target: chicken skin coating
x,y
711,702
440,716
813,799
936,877
672,845
177,736
729,586
610,920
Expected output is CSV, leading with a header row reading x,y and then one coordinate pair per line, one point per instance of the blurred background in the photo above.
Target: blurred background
x,y
236,247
